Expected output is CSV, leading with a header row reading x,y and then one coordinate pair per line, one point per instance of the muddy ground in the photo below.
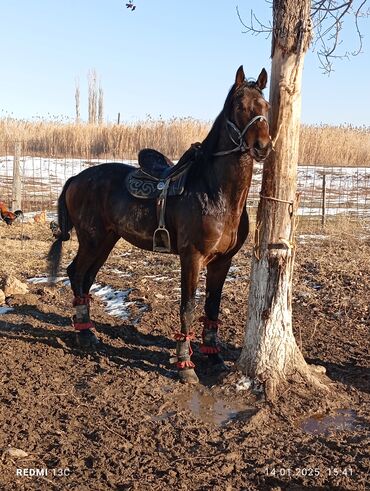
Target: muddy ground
x,y
119,419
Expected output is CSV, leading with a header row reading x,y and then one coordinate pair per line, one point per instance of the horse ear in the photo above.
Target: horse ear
x,y
262,79
239,77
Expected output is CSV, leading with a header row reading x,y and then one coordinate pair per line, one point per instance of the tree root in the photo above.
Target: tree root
x,y
312,375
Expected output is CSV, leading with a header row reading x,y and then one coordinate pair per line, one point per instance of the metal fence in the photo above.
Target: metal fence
x,y
33,184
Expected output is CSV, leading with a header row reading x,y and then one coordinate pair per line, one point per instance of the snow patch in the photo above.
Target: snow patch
x,y
5,310
116,303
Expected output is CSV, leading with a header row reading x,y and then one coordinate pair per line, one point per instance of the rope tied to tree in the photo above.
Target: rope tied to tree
x,y
283,242
290,203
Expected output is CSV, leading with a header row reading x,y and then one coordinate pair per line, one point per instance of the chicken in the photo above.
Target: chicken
x,y
9,216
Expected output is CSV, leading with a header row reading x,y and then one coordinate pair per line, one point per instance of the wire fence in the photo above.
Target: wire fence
x,y
325,191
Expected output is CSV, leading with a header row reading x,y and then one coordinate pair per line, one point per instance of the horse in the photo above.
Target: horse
x,y
207,223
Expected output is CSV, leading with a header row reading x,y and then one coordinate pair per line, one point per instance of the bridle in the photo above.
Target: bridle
x,y
240,145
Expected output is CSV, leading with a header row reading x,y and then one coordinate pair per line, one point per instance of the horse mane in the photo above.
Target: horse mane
x,y
210,141
202,169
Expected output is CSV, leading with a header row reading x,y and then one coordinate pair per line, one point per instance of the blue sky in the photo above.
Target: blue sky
x,y
167,58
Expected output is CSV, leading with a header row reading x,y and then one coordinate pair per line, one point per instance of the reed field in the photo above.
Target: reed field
x,y
320,145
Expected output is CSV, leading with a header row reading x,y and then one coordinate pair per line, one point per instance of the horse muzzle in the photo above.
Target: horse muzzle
x,y
260,152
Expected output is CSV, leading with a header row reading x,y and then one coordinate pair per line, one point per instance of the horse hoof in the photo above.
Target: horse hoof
x,y
188,376
216,364
86,339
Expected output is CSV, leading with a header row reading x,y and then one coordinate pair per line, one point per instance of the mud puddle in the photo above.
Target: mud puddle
x,y
212,409
341,420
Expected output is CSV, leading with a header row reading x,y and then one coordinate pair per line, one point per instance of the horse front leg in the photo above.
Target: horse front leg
x,y
216,275
190,267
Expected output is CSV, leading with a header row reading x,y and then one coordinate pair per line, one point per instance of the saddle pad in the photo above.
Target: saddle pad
x,y
140,185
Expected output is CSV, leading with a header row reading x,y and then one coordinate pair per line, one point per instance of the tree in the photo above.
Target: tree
x,y
77,102
270,354
100,105
93,97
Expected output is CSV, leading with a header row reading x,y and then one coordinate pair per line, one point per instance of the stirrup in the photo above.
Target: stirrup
x,y
161,240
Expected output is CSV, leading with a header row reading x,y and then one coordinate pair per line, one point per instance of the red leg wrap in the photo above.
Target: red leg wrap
x,y
209,335
85,299
180,336
81,326
209,350
183,351
185,364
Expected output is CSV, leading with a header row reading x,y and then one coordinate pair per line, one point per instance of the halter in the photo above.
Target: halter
x,y
241,145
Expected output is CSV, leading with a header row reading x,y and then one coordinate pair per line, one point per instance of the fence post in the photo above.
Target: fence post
x,y
323,205
17,179
118,118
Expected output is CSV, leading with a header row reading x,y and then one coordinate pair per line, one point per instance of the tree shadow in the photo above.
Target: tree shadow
x,y
346,373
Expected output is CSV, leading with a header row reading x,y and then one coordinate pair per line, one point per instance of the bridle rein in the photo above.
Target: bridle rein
x,y
240,145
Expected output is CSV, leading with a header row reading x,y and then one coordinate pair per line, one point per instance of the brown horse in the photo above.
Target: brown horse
x,y
207,223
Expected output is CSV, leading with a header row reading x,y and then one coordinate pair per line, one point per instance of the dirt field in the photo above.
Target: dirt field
x,y
119,420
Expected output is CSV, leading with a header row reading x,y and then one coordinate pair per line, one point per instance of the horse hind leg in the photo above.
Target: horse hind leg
x,y
82,272
104,251
85,337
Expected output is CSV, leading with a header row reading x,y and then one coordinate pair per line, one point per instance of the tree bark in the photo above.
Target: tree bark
x,y
270,353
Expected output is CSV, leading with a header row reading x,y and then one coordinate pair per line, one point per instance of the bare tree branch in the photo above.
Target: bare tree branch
x,y
250,28
328,23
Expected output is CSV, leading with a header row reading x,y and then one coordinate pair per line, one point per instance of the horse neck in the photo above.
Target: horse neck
x,y
233,173
234,176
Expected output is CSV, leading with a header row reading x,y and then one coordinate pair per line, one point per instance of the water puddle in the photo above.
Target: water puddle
x,y
211,409
322,424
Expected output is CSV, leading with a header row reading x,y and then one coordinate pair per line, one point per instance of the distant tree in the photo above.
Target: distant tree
x,y
93,97
77,102
100,105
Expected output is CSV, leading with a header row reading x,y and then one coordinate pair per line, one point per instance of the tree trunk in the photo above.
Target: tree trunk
x,y
270,353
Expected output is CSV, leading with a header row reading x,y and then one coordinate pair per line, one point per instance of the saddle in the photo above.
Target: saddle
x,y
157,178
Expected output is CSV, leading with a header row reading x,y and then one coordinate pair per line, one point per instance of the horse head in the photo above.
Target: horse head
x,y
246,113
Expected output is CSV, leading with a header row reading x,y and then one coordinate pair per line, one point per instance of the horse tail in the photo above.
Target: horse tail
x,y
65,226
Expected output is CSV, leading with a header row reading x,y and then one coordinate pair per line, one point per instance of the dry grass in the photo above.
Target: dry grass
x,y
325,145
58,139
339,228
335,145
